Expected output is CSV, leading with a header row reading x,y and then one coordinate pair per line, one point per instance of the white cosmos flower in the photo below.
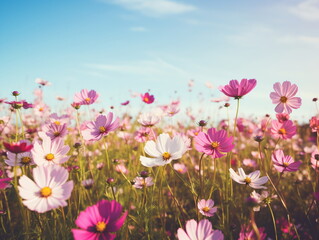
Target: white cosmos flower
x,y
149,119
252,179
163,151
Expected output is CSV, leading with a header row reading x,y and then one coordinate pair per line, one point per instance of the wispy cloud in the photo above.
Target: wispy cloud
x,y
154,7
307,10
138,29
309,40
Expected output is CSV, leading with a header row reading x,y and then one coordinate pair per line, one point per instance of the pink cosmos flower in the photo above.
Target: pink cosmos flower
x,y
214,143
5,183
141,182
18,147
148,119
19,159
247,233
99,221
206,207
180,167
49,190
99,128
199,231
285,130
314,124
50,152
284,97
42,82
54,130
125,103
282,117
284,163
143,134
147,98
238,89
86,97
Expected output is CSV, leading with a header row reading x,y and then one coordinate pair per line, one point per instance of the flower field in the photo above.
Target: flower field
x,y
82,173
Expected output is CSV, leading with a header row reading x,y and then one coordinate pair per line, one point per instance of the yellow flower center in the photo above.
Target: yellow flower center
x,y
102,129
205,209
285,164
46,192
283,99
166,155
25,160
247,180
87,99
282,131
100,226
49,156
41,109
146,99
215,144
57,123
56,134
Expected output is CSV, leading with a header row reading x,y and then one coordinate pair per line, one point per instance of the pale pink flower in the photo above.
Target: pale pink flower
x,y
42,82
249,163
315,159
141,182
314,124
50,152
48,191
206,207
285,130
199,231
284,97
252,179
148,119
143,134
86,97
19,159
54,131
180,167
101,127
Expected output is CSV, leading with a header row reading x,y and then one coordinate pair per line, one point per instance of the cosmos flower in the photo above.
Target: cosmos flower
x,y
143,134
238,89
86,97
20,104
125,103
247,233
199,231
180,167
49,190
42,82
147,98
148,119
252,179
314,124
163,151
315,159
50,152
214,143
284,130
99,128
284,97
262,199
100,221
19,159
5,183
18,147
206,207
54,130
141,182
284,163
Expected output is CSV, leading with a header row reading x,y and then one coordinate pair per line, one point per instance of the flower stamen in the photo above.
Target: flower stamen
x,y
100,226
166,155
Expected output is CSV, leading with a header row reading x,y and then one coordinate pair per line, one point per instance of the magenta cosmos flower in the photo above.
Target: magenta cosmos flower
x,y
86,97
284,97
214,143
284,163
147,98
199,231
48,191
99,128
18,147
283,130
99,221
238,89
206,207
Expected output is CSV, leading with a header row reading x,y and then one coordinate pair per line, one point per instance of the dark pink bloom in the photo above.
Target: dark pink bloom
x,y
125,103
282,117
315,159
283,130
247,233
238,89
314,124
86,97
284,97
4,183
214,143
18,147
284,163
20,104
100,221
99,128
147,98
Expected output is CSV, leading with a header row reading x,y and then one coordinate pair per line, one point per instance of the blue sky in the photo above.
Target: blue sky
x,y
117,46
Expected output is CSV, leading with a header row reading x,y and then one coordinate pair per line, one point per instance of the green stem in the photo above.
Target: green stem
x,y
273,220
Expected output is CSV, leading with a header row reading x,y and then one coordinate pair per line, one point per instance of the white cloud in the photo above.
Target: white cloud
x,y
309,40
154,7
138,29
307,10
